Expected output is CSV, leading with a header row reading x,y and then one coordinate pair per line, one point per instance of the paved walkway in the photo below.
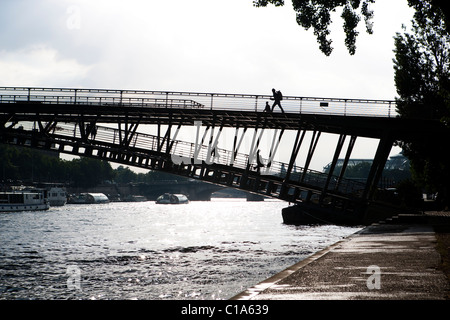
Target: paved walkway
x,y
387,261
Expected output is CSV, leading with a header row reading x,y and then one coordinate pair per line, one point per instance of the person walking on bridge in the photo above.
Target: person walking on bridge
x,y
277,97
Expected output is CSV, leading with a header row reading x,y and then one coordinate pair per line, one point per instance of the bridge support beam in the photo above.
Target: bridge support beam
x,y
312,147
383,150
253,153
273,149
295,149
337,152
47,128
346,159
127,133
236,144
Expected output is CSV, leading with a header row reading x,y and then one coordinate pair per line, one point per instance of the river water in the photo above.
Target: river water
x,y
201,250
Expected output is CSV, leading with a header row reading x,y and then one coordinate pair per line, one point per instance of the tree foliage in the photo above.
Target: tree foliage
x,y
422,68
86,172
25,166
316,14
28,165
423,6
126,175
422,78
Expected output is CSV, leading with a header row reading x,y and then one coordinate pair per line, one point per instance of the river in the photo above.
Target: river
x,y
145,251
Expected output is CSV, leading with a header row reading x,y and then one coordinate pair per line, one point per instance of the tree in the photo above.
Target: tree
x,y
421,6
317,14
87,172
422,78
124,175
422,67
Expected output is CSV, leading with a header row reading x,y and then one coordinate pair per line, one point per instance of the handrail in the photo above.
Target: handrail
x,y
211,101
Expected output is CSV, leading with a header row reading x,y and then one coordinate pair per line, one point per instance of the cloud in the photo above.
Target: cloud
x,y
205,45
202,45
40,66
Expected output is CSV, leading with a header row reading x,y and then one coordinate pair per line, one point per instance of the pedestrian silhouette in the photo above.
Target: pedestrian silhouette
x,y
214,153
259,163
277,97
267,108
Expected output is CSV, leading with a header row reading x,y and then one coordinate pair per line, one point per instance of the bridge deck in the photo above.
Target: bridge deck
x,y
361,117
196,100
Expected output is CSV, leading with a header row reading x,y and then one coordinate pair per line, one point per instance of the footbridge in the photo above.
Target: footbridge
x,y
147,129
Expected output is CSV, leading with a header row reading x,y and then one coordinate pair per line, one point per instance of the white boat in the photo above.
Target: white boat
x,y
15,201
57,197
88,198
170,198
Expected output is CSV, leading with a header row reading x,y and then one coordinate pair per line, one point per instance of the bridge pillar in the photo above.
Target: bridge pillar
x,y
346,159
382,153
296,148
312,147
337,152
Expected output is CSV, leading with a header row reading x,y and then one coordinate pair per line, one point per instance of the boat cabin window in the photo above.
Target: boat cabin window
x,y
16,198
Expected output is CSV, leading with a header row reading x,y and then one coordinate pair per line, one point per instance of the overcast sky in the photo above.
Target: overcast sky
x,y
197,45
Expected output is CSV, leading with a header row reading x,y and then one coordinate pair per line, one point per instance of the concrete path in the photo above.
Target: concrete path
x,y
395,262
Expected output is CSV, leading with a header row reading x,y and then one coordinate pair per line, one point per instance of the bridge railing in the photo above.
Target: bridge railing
x,y
187,152
210,101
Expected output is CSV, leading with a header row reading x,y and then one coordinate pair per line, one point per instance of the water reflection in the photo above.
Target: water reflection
x,y
203,250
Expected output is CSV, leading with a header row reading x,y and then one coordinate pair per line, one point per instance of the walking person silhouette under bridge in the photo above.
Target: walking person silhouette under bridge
x,y
259,163
277,97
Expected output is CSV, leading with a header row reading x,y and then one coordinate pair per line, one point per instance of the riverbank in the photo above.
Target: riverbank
x,y
399,260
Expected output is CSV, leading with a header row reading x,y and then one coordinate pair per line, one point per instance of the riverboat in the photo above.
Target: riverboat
x,y
14,201
170,198
88,198
57,197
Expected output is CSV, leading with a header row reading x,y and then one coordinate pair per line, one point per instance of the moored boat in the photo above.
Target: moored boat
x,y
88,198
14,201
57,197
170,198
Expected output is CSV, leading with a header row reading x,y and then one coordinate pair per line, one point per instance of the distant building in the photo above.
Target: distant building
x,y
397,162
